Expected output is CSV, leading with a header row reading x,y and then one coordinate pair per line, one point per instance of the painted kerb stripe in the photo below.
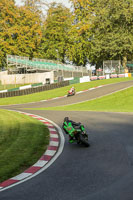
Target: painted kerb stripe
x,y
45,158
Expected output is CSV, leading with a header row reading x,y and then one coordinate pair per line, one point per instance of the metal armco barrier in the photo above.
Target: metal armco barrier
x,y
34,89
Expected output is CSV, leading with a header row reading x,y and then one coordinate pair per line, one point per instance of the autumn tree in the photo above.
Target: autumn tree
x,y
20,31
29,36
36,6
8,18
55,32
79,36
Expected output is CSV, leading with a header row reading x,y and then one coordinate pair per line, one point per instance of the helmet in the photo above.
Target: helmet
x,y
66,119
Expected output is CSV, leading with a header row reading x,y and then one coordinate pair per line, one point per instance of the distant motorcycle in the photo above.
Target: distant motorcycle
x,y
71,92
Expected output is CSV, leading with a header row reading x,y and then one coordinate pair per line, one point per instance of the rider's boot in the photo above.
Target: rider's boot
x,y
71,139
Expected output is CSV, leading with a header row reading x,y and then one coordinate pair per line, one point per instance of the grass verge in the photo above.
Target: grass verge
x,y
121,101
58,92
22,142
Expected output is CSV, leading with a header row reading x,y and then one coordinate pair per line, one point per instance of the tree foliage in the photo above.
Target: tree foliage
x,y
8,17
112,30
92,30
55,32
30,33
79,36
20,30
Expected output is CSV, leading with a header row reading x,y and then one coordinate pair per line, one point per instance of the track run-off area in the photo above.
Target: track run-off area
x,y
104,171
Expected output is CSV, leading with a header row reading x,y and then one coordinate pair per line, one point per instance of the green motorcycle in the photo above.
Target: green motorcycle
x,y
78,133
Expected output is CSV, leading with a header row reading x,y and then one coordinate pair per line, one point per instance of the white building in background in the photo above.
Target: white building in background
x,y
90,67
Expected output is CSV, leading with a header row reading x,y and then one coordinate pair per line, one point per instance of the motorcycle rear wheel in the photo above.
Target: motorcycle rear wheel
x,y
84,140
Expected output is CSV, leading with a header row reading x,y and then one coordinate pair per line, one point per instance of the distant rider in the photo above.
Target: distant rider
x,y
72,90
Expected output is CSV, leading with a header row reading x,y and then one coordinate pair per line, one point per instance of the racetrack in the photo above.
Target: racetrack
x,y
104,171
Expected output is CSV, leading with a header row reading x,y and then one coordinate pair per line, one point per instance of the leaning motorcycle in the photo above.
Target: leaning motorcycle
x,y
70,93
79,134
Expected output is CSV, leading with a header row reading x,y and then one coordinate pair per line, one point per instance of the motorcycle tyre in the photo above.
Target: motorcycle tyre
x,y
84,141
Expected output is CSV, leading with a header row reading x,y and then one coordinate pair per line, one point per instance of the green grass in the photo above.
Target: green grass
x,y
23,140
58,92
121,101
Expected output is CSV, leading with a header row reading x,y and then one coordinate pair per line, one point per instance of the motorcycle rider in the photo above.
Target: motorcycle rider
x,y
72,90
69,127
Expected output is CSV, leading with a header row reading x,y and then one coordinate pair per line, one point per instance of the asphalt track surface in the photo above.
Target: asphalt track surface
x,y
104,171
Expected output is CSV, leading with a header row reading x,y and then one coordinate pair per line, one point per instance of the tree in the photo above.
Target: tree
x,y
8,17
112,30
36,5
55,32
79,36
20,30
29,34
